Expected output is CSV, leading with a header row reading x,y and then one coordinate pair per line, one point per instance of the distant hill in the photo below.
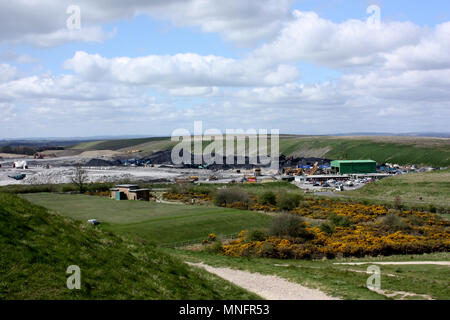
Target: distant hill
x,y
408,134
397,149
37,247
400,150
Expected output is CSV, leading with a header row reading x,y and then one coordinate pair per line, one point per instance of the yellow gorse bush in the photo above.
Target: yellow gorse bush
x,y
365,235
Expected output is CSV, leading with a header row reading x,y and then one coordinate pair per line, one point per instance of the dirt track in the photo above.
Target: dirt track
x,y
439,263
266,286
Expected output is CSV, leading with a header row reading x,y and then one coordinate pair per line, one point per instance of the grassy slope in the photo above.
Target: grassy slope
x,y
435,152
152,146
433,187
339,280
116,144
401,150
156,222
37,247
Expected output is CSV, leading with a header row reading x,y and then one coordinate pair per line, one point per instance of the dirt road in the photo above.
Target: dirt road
x,y
438,263
266,286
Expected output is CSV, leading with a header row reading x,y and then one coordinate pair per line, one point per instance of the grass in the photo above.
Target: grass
x,y
156,222
433,187
38,246
160,222
401,150
278,187
341,280
116,144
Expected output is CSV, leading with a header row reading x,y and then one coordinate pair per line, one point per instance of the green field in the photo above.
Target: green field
x,y
159,223
433,187
400,150
38,246
344,281
116,144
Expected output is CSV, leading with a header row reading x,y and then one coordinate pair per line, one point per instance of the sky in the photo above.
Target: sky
x,y
109,67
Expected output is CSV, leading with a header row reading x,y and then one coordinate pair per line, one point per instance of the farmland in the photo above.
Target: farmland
x,y
156,222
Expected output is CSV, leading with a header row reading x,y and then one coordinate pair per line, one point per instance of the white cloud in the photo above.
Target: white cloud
x,y
241,22
194,91
395,78
7,112
430,53
43,23
188,69
61,36
337,45
12,56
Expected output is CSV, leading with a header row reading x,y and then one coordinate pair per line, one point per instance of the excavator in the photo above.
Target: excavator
x,y
293,171
314,169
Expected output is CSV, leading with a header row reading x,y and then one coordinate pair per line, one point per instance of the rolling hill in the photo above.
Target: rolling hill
x,y
37,247
401,149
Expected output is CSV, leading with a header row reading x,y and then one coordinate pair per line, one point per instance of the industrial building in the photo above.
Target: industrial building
x,y
353,166
129,192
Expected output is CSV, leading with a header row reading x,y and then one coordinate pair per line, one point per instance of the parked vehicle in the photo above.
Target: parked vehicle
x,y
93,221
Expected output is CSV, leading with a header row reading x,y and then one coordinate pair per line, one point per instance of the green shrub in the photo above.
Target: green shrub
x,y
416,220
98,187
267,249
339,221
257,235
215,247
268,197
37,188
201,189
229,196
290,225
69,188
327,227
392,222
304,204
288,201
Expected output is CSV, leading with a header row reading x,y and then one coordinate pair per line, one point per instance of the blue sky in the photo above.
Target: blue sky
x,y
308,67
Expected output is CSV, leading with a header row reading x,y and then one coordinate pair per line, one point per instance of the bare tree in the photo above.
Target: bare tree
x,y
80,178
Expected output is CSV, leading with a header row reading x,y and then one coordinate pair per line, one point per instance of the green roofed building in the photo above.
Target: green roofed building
x,y
354,166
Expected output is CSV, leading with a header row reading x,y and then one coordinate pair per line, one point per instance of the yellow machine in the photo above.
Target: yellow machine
x,y
314,169
293,171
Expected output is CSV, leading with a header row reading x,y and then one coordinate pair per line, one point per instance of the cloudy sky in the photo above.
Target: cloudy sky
x,y
147,67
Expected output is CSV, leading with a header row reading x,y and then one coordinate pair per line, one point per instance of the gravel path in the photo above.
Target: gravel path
x,y
266,286
439,263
